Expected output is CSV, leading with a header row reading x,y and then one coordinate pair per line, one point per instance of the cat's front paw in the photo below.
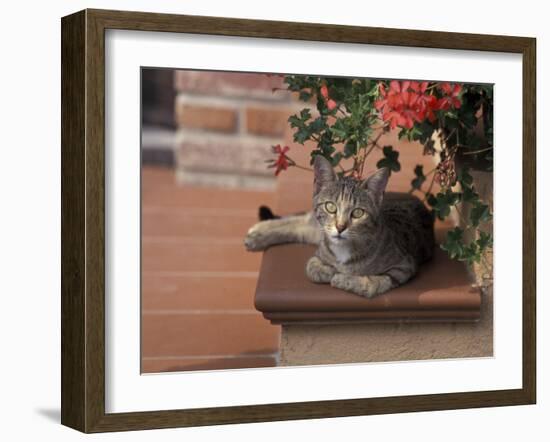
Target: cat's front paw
x,y
342,282
360,285
256,238
319,272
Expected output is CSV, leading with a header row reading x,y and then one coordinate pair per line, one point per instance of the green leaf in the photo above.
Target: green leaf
x,y
464,178
431,199
470,253
485,240
390,159
480,213
350,149
443,202
469,195
453,244
318,125
335,160
417,182
339,129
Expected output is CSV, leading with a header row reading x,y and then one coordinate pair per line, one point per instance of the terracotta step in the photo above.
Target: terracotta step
x,y
440,291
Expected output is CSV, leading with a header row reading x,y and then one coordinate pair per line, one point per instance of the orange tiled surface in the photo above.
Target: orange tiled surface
x,y
198,282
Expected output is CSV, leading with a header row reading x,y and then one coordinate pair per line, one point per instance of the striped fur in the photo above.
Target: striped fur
x,y
368,242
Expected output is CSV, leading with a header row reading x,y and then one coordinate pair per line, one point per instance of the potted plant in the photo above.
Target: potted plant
x,y
453,123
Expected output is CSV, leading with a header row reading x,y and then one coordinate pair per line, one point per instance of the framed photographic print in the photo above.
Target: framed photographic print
x,y
266,220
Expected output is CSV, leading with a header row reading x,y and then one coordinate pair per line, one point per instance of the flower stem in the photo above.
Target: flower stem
x,y
298,166
473,152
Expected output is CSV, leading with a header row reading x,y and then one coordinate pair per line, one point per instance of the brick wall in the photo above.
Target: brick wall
x,y
226,125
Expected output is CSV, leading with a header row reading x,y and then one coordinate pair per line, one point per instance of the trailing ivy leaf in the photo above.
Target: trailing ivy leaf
x,y
390,159
464,178
442,203
480,213
469,195
417,182
453,244
470,253
485,240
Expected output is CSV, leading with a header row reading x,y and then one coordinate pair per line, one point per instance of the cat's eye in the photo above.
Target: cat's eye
x,y
357,213
330,207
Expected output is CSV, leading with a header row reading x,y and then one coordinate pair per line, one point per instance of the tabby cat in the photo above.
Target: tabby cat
x,y
368,242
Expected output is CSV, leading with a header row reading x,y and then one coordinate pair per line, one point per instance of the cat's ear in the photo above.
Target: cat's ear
x,y
376,183
323,173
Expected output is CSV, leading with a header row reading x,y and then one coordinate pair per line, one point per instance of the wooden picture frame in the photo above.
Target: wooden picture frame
x,y
83,220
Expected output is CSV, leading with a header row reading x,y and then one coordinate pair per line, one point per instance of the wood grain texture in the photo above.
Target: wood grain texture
x,y
529,220
73,350
83,219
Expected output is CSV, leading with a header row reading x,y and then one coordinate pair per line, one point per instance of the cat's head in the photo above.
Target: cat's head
x,y
346,208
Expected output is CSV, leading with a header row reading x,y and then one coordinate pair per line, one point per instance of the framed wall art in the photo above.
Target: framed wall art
x,y
267,221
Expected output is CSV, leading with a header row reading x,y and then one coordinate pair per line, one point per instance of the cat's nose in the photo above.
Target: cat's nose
x,y
341,227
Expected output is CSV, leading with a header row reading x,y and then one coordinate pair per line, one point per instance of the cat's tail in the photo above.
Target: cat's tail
x,y
265,213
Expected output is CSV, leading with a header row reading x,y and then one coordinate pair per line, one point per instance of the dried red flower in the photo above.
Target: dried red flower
x,y
281,162
446,173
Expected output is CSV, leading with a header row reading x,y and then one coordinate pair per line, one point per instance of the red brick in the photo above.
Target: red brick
x,y
231,155
267,121
232,84
206,117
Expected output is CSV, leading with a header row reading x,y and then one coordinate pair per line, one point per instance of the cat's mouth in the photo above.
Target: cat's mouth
x,y
338,237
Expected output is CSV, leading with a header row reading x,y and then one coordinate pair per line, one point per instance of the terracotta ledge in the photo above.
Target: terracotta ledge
x,y
441,292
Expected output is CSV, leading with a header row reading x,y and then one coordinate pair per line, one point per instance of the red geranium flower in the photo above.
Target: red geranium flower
x,y
405,103
450,100
331,104
426,105
324,91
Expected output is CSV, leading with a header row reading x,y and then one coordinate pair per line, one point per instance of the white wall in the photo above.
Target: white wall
x,y
30,215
